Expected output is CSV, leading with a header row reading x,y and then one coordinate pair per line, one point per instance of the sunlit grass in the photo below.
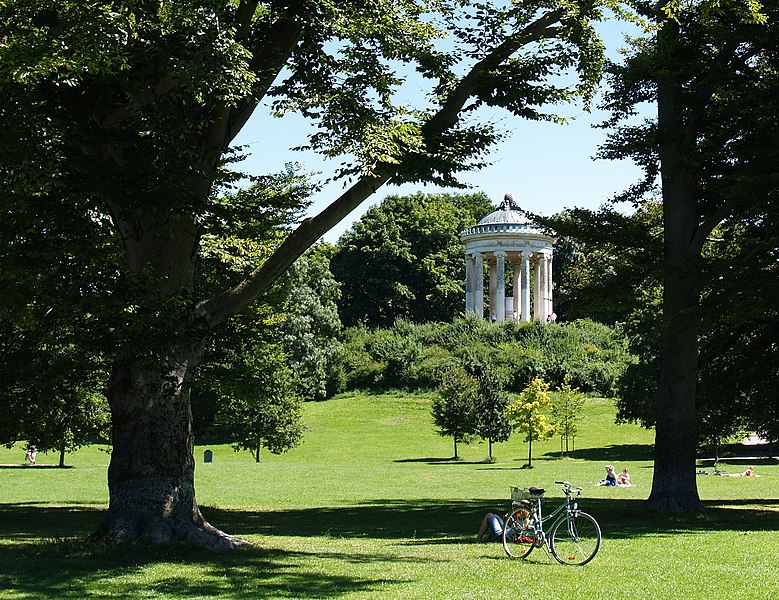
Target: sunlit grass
x,y
372,506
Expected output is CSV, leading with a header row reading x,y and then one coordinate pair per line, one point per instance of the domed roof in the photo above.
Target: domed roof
x,y
508,212
508,219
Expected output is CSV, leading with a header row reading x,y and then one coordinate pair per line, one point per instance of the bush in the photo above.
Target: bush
x,y
593,355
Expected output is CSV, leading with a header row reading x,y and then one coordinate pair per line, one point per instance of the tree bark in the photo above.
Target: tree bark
x,y
151,475
674,487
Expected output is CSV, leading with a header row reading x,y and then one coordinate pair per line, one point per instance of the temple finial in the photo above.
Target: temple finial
x,y
508,203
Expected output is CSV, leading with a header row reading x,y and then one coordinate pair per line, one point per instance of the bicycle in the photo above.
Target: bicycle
x,y
574,536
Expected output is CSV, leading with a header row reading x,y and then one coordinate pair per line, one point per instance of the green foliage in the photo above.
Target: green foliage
x,y
594,356
525,413
403,259
566,412
261,408
490,408
311,327
454,409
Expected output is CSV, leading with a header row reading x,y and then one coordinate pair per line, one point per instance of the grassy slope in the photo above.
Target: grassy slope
x,y
369,506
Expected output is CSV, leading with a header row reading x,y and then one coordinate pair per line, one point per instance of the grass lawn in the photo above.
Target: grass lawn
x,y
372,506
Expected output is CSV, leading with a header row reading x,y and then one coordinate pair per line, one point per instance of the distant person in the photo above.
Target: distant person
x,y
624,477
494,317
491,529
611,477
750,472
29,457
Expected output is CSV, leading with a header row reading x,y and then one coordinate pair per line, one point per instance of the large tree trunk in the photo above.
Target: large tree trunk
x,y
152,470
674,487
151,475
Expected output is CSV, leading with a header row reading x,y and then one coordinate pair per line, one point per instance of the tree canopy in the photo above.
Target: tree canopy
x,y
712,72
118,119
404,259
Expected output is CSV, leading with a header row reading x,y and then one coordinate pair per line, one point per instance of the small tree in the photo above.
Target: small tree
x,y
453,410
263,410
526,415
565,410
492,423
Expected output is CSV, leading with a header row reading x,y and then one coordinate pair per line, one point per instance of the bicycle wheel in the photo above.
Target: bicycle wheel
x,y
575,540
516,541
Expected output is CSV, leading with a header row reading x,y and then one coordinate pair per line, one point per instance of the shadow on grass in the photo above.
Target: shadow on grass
x,y
36,565
610,454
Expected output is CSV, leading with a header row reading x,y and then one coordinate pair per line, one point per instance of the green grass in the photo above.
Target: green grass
x,y
371,506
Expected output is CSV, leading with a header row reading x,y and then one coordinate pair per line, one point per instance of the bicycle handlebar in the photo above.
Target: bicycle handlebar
x,y
567,486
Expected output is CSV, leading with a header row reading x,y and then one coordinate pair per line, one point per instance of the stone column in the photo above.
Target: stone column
x,y
544,287
550,288
478,290
493,289
517,265
525,258
537,287
500,282
468,283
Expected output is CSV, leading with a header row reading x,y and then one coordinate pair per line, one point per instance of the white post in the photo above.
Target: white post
x,y
525,258
500,282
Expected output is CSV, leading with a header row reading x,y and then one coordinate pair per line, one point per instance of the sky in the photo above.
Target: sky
x,y
545,166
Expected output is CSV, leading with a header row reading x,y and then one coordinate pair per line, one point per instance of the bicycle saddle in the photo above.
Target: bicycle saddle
x,y
536,491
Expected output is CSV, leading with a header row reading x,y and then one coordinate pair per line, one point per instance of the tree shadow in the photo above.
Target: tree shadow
x,y
442,461
610,454
39,561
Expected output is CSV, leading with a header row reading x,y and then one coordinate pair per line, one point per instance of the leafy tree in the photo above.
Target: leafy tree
x,y
311,327
453,409
525,413
404,258
262,409
490,404
565,411
712,72
122,114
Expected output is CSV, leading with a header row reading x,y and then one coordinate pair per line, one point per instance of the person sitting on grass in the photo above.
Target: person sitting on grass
x,y
611,476
29,457
491,529
623,478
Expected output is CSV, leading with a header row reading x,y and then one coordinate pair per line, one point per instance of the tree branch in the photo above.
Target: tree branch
x,y
217,309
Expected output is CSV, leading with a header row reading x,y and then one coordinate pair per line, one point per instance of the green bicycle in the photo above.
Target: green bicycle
x,y
574,536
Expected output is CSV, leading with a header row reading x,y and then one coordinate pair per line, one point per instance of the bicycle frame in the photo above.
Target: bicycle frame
x,y
576,543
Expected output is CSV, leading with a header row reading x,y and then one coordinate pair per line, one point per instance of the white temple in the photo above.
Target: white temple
x,y
507,235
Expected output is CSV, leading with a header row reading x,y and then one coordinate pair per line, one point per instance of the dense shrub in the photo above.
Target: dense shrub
x,y
594,356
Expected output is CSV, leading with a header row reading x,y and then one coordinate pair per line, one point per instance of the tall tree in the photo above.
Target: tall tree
x,y
124,113
404,258
311,326
712,70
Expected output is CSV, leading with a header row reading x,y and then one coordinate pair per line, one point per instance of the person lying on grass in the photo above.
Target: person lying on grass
x,y
750,472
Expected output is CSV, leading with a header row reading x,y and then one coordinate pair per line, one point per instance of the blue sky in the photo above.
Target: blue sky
x,y
547,167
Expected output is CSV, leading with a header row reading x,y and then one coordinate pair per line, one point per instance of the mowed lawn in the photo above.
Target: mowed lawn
x,y
372,506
